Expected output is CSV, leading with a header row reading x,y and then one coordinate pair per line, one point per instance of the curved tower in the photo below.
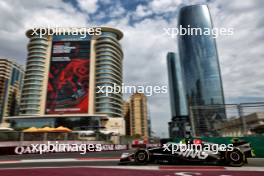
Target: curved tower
x,y
198,54
34,87
109,59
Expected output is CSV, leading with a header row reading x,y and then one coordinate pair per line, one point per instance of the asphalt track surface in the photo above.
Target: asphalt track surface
x,y
95,171
120,172
106,164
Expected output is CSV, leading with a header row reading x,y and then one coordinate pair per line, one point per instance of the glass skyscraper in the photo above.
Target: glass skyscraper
x,y
179,109
202,78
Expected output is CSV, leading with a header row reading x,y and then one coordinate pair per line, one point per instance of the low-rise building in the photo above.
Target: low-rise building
x,y
234,127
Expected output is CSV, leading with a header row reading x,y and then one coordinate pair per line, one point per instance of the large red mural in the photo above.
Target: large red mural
x,y
68,83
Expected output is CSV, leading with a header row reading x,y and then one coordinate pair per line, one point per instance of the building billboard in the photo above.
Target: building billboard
x,y
68,84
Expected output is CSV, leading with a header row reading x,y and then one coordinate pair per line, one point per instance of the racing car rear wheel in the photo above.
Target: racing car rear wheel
x,y
142,156
235,158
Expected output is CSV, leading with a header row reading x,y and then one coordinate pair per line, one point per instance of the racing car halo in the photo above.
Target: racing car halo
x,y
201,152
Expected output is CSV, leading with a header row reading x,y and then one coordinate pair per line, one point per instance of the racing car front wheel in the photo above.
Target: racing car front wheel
x,y
235,158
142,156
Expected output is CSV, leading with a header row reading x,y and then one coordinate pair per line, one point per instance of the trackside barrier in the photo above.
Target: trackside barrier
x,y
66,148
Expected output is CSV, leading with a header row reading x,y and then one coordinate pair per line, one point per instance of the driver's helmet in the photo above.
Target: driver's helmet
x,y
186,141
183,141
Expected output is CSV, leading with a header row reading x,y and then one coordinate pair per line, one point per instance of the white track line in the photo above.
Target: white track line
x,y
58,160
107,167
245,168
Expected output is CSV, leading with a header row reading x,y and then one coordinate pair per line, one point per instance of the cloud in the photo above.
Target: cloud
x,y
19,16
241,55
156,7
161,6
88,6
142,11
116,11
145,47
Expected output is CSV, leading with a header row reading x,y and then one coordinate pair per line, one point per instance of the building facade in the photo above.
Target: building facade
x,y
202,78
11,81
179,125
126,115
36,75
108,71
137,122
64,72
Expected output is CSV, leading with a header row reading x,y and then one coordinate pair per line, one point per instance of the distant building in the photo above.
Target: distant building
x,y
234,127
149,126
136,115
11,80
179,125
201,71
126,114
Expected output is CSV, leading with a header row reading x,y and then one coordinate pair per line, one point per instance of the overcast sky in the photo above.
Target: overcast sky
x,y
144,43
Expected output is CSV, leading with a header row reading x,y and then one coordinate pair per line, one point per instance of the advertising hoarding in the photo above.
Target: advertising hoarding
x,y
68,85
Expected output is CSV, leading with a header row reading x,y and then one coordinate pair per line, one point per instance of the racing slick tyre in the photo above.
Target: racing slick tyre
x,y
142,156
235,158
